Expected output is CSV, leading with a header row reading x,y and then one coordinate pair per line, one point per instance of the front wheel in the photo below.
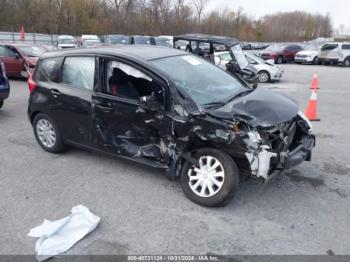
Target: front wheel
x,y
1,103
316,61
347,62
264,77
214,181
47,134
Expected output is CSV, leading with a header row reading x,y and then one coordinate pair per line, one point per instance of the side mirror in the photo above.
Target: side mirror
x,y
149,102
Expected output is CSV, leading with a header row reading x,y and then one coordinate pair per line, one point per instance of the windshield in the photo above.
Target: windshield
x,y
163,42
66,41
225,56
32,51
204,82
256,58
142,40
240,56
118,39
275,47
312,48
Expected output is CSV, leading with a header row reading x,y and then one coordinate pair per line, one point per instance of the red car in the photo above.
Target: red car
x,y
19,59
280,53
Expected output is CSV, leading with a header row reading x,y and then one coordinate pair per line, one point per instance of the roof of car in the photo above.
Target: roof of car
x,y
141,52
224,40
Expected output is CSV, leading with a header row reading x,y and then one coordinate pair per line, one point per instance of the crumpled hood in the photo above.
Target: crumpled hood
x,y
261,107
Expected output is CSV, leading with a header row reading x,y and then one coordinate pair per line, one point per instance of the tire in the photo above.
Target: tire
x,y
264,76
347,62
50,138
316,61
227,179
279,60
1,103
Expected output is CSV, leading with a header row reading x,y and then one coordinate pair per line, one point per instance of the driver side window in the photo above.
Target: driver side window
x,y
126,81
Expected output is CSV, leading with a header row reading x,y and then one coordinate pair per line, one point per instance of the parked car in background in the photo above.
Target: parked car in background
x,y
66,41
90,40
142,40
267,70
169,37
205,46
280,53
335,53
168,109
163,41
19,59
309,55
116,39
4,85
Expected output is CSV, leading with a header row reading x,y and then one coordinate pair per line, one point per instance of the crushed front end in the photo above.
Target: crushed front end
x,y
279,147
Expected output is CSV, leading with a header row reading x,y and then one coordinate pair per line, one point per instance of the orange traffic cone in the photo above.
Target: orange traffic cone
x,y
314,83
21,34
311,110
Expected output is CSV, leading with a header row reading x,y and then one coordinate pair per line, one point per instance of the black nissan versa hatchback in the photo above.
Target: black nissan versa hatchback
x,y
168,109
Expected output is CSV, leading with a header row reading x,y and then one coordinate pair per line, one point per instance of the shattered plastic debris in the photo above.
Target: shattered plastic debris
x,y
58,236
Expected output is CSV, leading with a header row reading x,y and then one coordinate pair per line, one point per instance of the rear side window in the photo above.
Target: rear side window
x,y
328,47
79,72
346,47
47,70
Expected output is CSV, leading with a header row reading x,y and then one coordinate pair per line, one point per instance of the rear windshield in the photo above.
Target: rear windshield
x,y
329,47
142,40
118,39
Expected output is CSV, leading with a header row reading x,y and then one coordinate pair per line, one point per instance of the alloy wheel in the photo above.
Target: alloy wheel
x,y
46,133
208,179
263,77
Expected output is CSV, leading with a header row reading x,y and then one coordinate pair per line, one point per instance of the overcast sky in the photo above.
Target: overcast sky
x,y
339,10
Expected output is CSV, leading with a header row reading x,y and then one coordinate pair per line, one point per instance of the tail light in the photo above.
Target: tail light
x,y
31,84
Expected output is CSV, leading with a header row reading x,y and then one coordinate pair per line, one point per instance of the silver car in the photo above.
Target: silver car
x,y
267,70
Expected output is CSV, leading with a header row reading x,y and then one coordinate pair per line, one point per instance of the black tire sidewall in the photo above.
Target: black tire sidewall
x,y
58,147
279,60
347,60
1,103
229,187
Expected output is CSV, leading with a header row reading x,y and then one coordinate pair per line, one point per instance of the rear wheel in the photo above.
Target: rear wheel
x,y
1,103
279,60
47,134
347,62
316,61
264,77
214,182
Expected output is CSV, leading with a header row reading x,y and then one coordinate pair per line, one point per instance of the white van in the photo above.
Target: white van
x,y
335,53
66,41
90,40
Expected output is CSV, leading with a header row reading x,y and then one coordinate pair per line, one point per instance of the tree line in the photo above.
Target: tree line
x,y
157,17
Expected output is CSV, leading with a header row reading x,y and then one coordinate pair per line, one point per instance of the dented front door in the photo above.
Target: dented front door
x,y
122,127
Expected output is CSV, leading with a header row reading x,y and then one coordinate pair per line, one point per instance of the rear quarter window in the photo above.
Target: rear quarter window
x,y
346,47
47,70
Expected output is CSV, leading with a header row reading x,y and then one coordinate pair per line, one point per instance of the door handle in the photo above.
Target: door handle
x,y
104,108
55,92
